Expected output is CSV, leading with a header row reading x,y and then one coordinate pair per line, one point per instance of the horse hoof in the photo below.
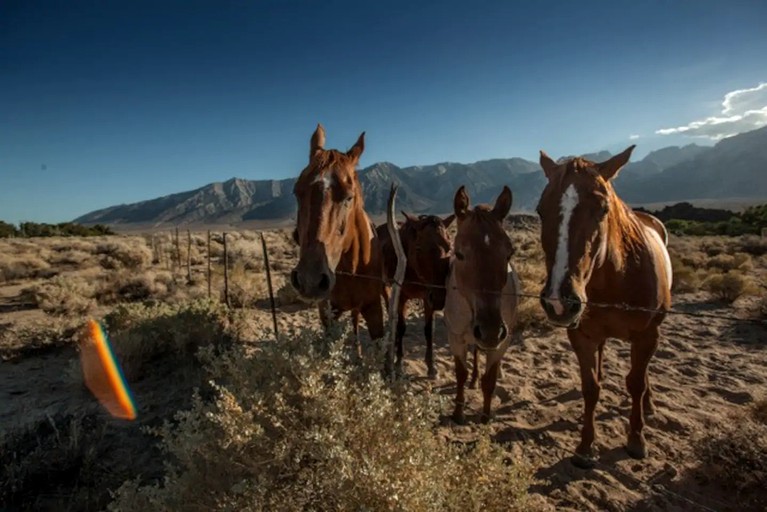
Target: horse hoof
x,y
486,418
584,461
459,417
637,448
432,373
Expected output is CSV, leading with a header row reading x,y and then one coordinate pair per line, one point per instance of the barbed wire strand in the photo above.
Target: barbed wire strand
x,y
621,306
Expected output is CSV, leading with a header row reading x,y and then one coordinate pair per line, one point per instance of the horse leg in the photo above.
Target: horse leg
x,y
428,332
401,326
642,349
586,349
648,404
489,379
600,358
474,370
461,373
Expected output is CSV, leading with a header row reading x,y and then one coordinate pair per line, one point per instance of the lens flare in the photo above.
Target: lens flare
x,y
102,373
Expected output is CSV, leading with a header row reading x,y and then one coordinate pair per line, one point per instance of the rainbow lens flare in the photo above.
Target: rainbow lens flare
x,y
103,375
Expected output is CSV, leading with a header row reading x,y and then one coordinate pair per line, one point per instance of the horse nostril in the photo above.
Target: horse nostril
x,y
477,332
503,332
324,284
294,280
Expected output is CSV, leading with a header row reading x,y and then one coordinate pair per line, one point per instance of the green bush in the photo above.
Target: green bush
x,y
296,426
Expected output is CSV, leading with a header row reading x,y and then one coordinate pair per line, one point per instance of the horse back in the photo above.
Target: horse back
x,y
654,223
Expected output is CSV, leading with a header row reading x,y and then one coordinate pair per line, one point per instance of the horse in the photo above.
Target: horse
x,y
339,262
482,287
599,250
427,248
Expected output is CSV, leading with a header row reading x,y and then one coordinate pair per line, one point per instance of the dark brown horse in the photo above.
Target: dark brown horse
x,y
336,238
427,249
598,250
481,302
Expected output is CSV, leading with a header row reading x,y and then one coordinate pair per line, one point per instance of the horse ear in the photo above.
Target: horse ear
x,y
448,220
408,217
318,141
609,169
461,202
549,166
503,203
358,147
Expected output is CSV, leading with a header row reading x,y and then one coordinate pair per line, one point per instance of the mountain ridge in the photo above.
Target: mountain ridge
x,y
734,167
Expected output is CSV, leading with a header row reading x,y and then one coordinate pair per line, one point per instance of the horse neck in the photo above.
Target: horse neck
x,y
624,236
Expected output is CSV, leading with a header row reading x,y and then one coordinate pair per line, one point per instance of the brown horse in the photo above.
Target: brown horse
x,y
481,303
336,238
597,249
427,249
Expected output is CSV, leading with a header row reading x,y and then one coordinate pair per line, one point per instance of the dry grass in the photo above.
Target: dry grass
x,y
65,296
290,430
142,332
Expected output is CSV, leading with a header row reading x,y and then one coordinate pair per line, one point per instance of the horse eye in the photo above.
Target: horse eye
x,y
459,255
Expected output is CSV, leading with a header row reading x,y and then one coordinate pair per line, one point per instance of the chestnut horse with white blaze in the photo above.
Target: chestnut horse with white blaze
x,y
427,249
336,238
481,302
599,250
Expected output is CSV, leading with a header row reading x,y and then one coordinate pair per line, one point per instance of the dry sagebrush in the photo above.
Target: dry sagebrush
x,y
295,426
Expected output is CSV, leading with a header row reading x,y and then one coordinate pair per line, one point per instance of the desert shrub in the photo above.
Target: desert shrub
x,y
713,246
246,286
733,454
728,262
142,332
685,278
291,429
131,254
727,287
753,244
13,267
72,257
130,286
22,338
65,295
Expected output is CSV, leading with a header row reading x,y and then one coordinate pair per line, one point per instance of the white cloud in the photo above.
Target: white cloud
x,y
633,137
742,110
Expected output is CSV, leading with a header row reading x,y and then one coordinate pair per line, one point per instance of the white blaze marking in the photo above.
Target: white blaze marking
x,y
324,178
567,204
487,240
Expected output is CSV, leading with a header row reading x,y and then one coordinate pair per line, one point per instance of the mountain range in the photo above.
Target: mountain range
x,y
733,167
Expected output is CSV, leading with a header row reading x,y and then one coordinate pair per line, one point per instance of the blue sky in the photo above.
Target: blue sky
x,y
109,102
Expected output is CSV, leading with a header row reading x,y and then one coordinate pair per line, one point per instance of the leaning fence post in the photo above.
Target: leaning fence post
x,y
209,272
188,256
269,283
399,276
178,252
226,274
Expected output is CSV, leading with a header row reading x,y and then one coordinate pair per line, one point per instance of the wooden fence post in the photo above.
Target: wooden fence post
x,y
209,273
226,274
399,276
188,256
269,283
